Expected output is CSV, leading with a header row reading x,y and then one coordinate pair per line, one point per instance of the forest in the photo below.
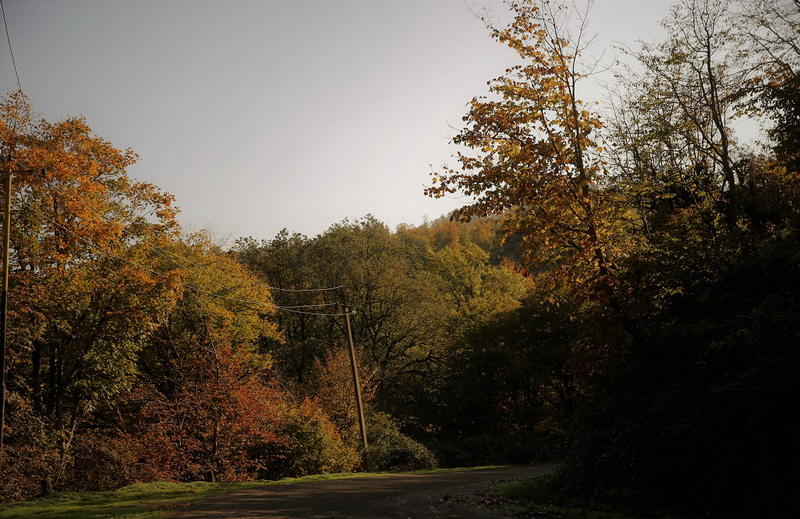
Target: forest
x,y
619,291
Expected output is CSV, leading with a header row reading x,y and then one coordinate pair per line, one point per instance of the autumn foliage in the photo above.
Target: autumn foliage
x,y
619,290
134,351
664,236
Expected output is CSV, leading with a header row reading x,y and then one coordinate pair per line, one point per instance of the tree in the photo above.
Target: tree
x,y
767,31
469,287
79,232
288,263
372,268
509,393
535,158
206,385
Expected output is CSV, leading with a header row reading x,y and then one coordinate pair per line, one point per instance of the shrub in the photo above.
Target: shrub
x,y
389,449
312,445
104,462
30,452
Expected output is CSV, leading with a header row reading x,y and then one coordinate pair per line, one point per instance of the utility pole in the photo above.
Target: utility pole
x,y
359,405
4,303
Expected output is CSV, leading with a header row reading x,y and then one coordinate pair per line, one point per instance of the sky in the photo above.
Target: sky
x,y
264,115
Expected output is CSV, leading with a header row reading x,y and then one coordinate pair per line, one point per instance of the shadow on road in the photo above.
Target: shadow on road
x,y
396,496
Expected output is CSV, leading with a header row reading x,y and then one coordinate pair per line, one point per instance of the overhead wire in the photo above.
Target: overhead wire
x,y
10,48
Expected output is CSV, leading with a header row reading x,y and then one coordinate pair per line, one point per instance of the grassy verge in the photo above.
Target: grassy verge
x,y
154,500
536,497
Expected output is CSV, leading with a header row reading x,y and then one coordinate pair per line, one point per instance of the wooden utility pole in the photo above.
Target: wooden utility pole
x,y
356,382
4,303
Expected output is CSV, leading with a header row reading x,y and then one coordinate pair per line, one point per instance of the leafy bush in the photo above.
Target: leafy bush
x,y
390,449
30,451
104,461
313,445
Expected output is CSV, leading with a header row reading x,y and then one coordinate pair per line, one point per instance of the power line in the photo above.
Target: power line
x,y
315,305
324,289
10,49
340,314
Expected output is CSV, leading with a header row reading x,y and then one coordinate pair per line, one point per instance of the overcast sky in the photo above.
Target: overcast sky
x,y
260,115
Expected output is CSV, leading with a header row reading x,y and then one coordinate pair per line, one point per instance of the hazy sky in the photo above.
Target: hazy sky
x,y
260,115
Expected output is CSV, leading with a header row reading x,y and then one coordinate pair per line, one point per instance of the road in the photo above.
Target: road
x,y
405,496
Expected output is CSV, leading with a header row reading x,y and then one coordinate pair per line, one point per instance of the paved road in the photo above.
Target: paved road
x,y
404,496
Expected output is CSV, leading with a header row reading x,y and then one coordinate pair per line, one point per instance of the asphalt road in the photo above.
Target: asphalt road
x,y
438,496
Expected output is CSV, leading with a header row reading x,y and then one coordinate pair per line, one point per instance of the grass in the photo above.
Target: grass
x,y
155,500
536,497
140,501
